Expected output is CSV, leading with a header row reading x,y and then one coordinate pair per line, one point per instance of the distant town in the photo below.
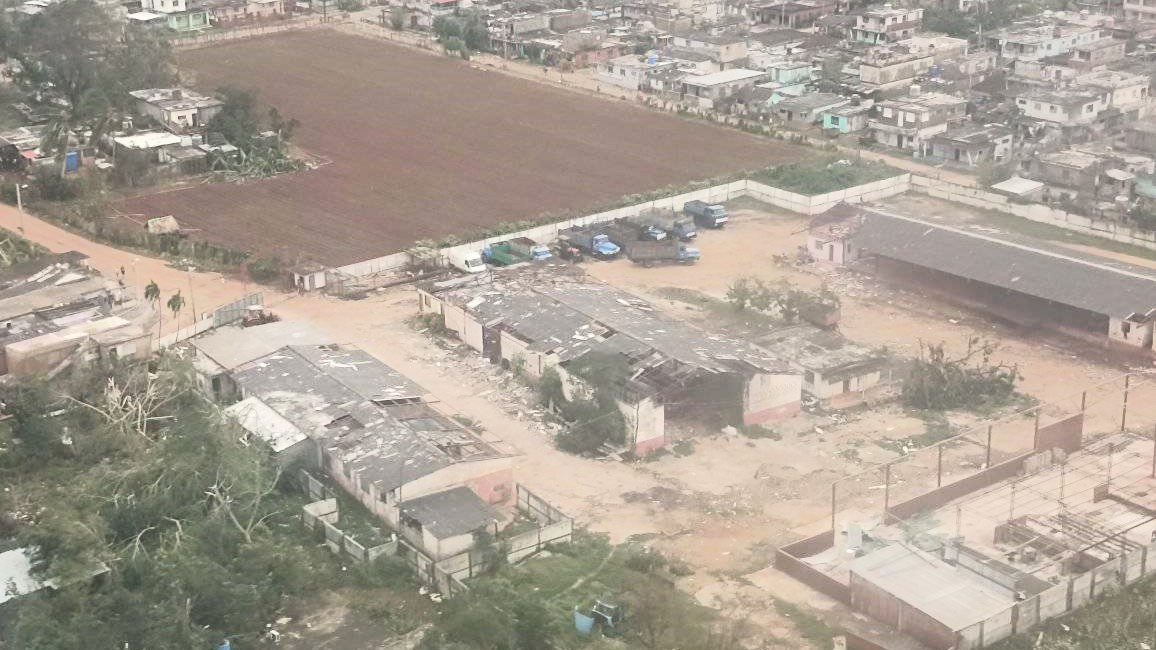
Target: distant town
x,y
531,325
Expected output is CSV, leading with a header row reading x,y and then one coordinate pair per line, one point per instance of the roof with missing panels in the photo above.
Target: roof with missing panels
x,y
359,410
1103,287
456,511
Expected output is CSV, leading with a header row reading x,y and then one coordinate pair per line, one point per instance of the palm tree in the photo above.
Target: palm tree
x,y
176,303
152,294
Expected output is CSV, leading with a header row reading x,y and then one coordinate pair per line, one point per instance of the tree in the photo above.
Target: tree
x,y
152,293
237,120
938,382
397,18
175,304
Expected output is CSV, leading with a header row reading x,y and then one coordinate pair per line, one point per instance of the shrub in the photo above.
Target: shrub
x,y
264,269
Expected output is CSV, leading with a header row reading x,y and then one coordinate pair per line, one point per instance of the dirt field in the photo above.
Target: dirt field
x,y
424,146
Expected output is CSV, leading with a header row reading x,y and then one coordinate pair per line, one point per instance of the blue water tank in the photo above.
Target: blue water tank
x,y
72,161
225,645
935,71
651,59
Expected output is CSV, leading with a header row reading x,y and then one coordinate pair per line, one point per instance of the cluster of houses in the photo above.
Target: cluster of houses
x,y
1060,100
185,16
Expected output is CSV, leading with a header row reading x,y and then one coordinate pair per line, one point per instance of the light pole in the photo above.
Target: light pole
x,y
20,204
136,288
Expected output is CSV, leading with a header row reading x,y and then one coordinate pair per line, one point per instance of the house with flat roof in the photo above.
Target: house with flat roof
x,y
887,24
912,121
633,70
538,319
809,108
1101,52
1126,92
791,14
973,144
1077,105
1037,40
339,410
708,89
849,118
179,110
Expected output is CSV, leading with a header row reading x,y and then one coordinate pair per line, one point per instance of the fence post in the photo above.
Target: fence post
x,y
987,463
1124,410
886,490
939,466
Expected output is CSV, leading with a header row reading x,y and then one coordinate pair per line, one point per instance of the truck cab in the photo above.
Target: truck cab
x,y
470,262
602,246
711,215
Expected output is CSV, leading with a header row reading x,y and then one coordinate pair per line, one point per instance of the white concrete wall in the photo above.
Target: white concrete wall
x,y
1033,211
771,396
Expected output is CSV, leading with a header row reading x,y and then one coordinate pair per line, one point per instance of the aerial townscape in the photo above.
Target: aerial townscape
x,y
577,324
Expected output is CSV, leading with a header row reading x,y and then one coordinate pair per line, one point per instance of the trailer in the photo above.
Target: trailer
x,y
649,253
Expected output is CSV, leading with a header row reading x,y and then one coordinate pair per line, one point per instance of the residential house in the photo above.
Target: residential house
x,y
911,122
630,71
178,15
1139,10
371,430
788,77
542,319
1067,173
1034,42
693,62
973,144
729,50
791,14
424,12
1068,107
893,66
807,109
887,24
709,89
177,109
1141,136
850,118
233,11
1101,52
565,20
1126,92
837,372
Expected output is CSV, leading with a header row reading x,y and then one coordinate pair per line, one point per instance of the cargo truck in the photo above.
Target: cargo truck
x,y
670,222
469,261
530,249
649,253
710,215
592,241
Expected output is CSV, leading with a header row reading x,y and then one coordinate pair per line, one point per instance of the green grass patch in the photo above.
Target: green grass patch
x,y
758,431
810,627
824,174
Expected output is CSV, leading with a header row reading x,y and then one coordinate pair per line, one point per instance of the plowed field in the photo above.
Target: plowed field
x,y
424,146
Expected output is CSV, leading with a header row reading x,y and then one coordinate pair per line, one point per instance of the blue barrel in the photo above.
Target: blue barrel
x,y
72,161
225,645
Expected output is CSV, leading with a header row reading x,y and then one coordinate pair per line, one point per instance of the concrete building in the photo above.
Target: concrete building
x,y
1034,42
1141,136
223,12
177,109
543,319
838,373
887,67
729,50
971,145
1097,53
632,71
1126,92
708,89
1137,10
809,108
1068,107
178,16
887,24
911,122
791,14
1054,288
56,313
850,118
371,430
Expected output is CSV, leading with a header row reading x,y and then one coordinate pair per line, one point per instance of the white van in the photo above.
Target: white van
x,y
470,262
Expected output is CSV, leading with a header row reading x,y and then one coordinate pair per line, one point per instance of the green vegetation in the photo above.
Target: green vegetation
x,y
592,420
265,269
130,468
937,382
1123,619
936,428
783,301
824,174
529,606
758,431
810,627
15,249
262,143
465,34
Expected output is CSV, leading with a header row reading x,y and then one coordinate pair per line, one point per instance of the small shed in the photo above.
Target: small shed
x,y
1022,188
444,522
309,276
165,225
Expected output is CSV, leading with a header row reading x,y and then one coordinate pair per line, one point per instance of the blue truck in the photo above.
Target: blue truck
x,y
710,215
591,240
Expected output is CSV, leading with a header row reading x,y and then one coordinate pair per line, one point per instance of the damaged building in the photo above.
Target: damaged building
x,y
1032,285
340,411
536,320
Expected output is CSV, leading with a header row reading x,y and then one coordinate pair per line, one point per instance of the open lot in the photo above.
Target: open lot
x,y
425,146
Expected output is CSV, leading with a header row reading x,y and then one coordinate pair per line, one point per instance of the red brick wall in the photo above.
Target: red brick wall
x,y
496,488
948,493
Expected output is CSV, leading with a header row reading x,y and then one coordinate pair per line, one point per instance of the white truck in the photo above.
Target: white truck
x,y
468,261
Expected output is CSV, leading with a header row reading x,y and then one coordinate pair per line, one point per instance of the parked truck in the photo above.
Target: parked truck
x,y
469,261
649,253
710,215
522,249
530,249
668,221
592,241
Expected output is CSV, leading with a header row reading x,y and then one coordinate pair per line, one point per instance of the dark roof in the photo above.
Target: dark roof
x,y
1107,287
456,511
841,211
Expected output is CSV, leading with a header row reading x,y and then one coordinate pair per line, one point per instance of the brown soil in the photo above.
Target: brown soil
x,y
426,146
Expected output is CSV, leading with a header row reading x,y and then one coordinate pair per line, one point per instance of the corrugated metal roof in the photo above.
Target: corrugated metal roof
x,y
1108,288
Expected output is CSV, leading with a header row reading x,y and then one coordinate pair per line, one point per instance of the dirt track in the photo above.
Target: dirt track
x,y
424,146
